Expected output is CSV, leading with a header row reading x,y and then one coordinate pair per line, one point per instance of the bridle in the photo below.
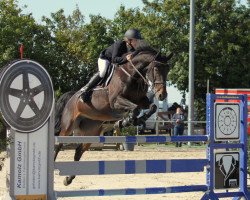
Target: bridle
x,y
151,86
145,79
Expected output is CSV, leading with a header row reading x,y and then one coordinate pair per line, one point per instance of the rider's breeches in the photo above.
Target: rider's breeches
x,y
102,66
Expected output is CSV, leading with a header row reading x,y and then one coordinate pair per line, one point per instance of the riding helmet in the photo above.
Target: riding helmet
x,y
133,34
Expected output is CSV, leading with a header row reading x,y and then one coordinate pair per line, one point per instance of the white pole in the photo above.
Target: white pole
x,y
191,70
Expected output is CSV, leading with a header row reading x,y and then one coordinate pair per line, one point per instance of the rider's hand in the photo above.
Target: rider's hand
x,y
129,57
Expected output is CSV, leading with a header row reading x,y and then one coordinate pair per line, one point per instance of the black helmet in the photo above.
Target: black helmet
x,y
133,34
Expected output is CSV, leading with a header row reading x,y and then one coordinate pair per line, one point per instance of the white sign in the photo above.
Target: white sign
x,y
30,170
227,121
20,176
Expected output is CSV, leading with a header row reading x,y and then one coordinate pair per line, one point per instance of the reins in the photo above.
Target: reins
x,y
140,74
145,80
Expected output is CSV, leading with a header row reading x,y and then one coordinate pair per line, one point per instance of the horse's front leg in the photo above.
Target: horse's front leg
x,y
145,103
125,104
146,115
81,148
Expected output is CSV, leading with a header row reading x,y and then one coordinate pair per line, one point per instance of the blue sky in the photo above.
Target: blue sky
x,y
106,8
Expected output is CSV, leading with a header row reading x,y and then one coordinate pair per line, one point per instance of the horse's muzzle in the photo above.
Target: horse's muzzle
x,y
160,91
161,96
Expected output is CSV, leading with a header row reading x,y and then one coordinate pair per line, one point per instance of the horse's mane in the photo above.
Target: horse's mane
x,y
144,47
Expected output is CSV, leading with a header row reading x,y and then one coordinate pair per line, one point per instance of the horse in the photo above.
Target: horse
x,y
119,103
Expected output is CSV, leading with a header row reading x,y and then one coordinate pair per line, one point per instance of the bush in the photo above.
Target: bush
x,y
129,131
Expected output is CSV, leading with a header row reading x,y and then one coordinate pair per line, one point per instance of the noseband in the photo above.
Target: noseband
x,y
155,82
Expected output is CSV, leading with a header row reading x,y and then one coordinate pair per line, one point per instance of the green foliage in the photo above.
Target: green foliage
x,y
17,28
77,46
129,131
222,42
68,47
3,144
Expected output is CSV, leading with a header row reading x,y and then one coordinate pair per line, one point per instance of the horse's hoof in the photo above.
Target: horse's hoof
x,y
67,181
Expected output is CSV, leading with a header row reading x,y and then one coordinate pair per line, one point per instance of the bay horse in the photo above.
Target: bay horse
x,y
118,103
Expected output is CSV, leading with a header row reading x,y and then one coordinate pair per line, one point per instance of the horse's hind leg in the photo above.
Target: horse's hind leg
x,y
81,148
66,130
86,127
57,149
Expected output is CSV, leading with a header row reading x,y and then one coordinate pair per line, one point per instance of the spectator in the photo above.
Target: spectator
x,y
178,119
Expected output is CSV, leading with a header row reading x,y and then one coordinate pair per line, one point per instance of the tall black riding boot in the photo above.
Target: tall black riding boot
x,y
90,85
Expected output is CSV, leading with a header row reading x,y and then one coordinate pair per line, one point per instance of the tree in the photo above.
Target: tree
x,y
17,28
222,42
67,53
69,48
77,46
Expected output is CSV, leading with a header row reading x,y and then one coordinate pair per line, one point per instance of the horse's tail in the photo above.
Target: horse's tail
x,y
59,107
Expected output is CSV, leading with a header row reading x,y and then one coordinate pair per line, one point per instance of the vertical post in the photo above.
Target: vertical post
x,y
51,144
157,128
21,51
243,150
191,70
207,86
210,146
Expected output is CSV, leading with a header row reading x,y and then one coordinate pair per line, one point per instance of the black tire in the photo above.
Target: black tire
x,y
23,86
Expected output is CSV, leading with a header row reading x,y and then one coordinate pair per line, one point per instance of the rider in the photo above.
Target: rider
x,y
113,54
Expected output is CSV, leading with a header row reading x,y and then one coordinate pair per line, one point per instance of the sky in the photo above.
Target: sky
x,y
106,8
